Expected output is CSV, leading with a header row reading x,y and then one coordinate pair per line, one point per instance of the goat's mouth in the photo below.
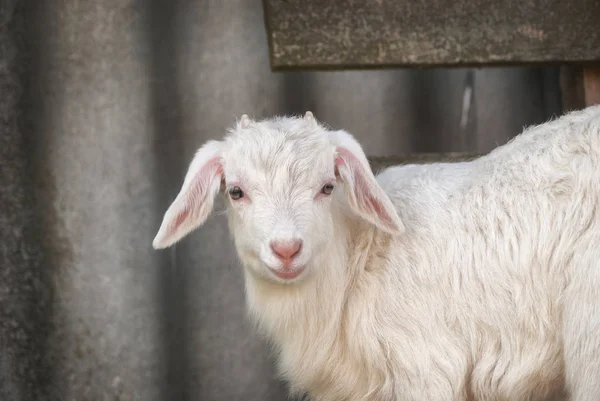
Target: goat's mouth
x,y
288,273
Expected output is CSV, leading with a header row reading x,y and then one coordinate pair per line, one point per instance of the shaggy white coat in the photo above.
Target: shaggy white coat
x,y
449,281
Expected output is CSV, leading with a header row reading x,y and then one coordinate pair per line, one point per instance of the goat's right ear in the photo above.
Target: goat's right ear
x,y
195,200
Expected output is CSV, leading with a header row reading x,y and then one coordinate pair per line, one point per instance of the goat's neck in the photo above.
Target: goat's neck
x,y
316,321
315,306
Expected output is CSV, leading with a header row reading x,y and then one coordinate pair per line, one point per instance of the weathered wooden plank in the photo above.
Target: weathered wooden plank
x,y
379,163
580,87
336,34
591,84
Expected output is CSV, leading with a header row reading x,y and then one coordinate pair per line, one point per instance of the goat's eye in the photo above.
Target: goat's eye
x,y
236,193
327,189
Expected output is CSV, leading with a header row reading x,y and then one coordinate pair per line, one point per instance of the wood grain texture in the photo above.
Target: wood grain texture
x,y
341,34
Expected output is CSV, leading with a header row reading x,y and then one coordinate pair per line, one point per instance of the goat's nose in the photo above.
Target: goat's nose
x,y
286,249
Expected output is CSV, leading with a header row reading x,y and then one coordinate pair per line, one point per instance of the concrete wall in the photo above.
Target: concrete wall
x,y
103,104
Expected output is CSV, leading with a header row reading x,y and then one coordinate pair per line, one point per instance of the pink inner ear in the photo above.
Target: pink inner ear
x,y
181,217
364,193
196,194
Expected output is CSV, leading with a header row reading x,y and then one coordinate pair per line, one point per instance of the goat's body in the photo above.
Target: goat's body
x,y
493,292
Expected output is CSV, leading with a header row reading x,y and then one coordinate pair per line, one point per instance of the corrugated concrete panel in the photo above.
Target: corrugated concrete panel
x,y
93,156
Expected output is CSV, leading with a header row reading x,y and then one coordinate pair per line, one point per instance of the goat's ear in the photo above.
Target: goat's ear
x,y
364,195
195,200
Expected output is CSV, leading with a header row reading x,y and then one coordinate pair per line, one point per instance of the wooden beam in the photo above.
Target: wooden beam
x,y
379,163
591,85
580,87
341,34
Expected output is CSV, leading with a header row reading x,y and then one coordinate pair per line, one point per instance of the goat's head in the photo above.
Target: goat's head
x,y
281,177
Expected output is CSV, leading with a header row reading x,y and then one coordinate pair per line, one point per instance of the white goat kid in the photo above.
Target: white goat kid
x,y
448,281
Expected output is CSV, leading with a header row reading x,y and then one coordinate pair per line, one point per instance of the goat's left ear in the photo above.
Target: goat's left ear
x,y
195,200
364,195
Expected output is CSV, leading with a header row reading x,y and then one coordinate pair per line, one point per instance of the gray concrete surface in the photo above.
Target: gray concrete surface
x,y
102,106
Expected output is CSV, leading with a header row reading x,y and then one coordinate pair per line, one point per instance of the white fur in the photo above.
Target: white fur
x,y
486,286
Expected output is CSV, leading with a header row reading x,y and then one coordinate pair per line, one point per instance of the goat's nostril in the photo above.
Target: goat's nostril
x,y
286,249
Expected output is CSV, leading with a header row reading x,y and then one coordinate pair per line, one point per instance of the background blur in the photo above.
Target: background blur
x,y
102,105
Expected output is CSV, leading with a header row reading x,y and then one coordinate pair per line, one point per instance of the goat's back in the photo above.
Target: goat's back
x,y
505,248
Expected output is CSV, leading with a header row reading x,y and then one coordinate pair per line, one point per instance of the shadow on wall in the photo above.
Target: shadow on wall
x,y
118,95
